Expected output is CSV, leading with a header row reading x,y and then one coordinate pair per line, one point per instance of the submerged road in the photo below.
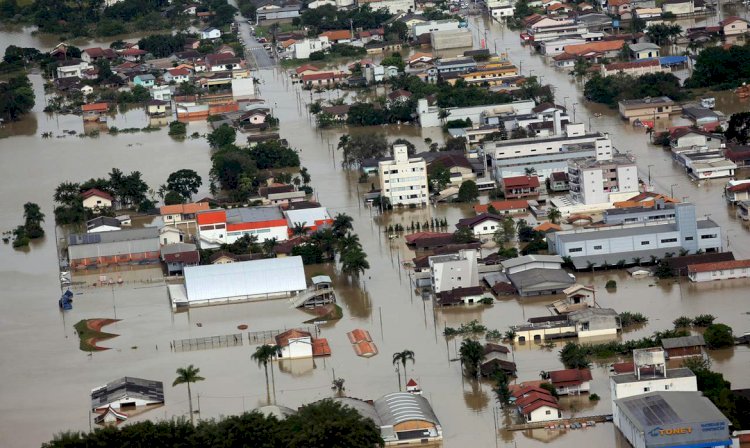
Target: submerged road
x,y
254,51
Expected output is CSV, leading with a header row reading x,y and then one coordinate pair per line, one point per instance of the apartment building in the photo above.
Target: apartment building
x,y
403,180
592,180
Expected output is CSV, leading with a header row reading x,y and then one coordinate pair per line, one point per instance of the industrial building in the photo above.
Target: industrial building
x,y
582,323
534,275
447,39
115,247
217,227
269,278
672,419
127,393
608,245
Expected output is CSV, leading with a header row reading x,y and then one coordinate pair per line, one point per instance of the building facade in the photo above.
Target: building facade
x,y
592,180
217,227
403,180
454,271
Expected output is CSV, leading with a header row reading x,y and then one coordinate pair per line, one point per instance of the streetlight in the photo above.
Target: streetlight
x,y
671,190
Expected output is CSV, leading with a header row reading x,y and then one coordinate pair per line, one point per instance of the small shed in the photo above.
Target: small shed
x,y
684,347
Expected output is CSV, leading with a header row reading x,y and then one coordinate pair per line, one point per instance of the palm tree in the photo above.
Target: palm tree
x,y
32,214
299,228
350,241
187,375
268,245
305,175
354,262
637,260
554,215
402,357
472,353
653,259
590,265
530,171
342,223
263,354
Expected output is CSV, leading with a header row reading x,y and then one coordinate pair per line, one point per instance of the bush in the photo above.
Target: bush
x,y
682,322
718,336
703,320
177,129
611,284
317,56
486,300
549,388
627,319
594,397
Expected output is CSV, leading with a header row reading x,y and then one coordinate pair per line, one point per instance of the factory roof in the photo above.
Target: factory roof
x,y
670,408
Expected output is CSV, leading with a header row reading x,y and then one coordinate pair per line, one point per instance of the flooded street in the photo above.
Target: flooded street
x,y
47,379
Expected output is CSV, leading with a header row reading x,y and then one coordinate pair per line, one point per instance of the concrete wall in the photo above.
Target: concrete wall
x,y
443,40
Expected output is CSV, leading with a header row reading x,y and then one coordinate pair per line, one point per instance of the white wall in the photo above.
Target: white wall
x,y
297,348
719,275
403,180
543,414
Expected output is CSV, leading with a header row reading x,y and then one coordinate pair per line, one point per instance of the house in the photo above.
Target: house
x,y
278,12
618,7
298,344
127,394
403,179
648,373
219,226
339,112
161,93
739,154
243,281
511,207
684,347
177,75
179,214
700,115
337,36
537,274
301,49
170,235
537,406
72,68
95,54
144,80
743,209
94,199
102,224
178,256
94,111
722,270
733,26
635,68
460,296
644,50
157,107
399,96
590,321
686,137
596,246
577,297
132,54
497,358
322,79
456,270
571,381
482,224
115,247
520,186
646,108
305,69
678,7
210,33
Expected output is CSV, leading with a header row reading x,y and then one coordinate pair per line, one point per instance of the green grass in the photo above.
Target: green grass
x,y
85,334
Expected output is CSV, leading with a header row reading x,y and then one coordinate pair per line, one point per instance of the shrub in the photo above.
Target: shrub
x,y
682,322
627,319
703,320
718,336
594,397
611,284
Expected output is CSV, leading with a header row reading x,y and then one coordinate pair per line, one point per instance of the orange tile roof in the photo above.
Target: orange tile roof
x,y
502,205
719,265
365,349
337,35
547,226
95,107
320,347
282,339
193,207
359,335
416,56
597,47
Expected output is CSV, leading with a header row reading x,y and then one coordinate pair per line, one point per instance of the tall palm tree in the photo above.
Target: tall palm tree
x,y
350,241
32,214
530,171
554,215
187,375
471,353
402,357
268,245
342,224
354,262
263,354
299,228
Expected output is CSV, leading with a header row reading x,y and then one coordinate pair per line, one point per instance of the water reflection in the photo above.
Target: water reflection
x,y
477,396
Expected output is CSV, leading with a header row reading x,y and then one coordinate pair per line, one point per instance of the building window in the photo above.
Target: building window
x,y
548,412
597,247
645,243
708,236
575,249
669,240
688,238
646,389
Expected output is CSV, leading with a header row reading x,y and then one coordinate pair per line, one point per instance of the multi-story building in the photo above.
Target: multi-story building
x,y
608,245
452,271
549,29
660,211
217,227
592,180
433,25
403,180
302,49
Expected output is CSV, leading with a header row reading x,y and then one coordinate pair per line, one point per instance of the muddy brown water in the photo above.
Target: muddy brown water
x,y
47,380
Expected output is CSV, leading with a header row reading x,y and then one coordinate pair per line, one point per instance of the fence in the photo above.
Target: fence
x,y
261,337
187,345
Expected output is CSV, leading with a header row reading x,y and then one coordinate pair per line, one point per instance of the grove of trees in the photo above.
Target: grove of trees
x,y
612,89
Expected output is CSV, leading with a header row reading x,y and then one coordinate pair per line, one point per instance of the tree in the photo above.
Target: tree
x,y
718,336
574,357
342,223
263,354
505,232
394,59
354,262
177,129
362,146
329,424
33,218
16,97
464,235
173,197
185,182
554,215
468,191
738,129
471,354
662,34
439,176
222,136
402,357
272,154
232,169
397,31
187,375
501,387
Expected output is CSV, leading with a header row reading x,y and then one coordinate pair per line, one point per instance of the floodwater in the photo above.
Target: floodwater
x,y
47,379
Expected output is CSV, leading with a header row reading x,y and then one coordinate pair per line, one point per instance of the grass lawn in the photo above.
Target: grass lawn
x,y
89,332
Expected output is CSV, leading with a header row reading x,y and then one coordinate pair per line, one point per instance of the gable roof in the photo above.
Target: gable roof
x,y
306,67
684,341
718,266
95,107
398,94
521,181
148,390
337,34
96,192
471,222
193,207
731,19
569,377
282,339
513,204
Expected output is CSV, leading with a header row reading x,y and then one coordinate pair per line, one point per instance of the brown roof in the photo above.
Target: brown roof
x,y
365,349
547,226
732,19
569,377
521,181
718,266
320,347
337,35
276,188
623,367
533,397
95,107
282,339
503,288
456,295
473,221
449,161
595,47
519,390
490,347
493,365
414,237
398,94
679,265
222,254
500,206
189,257
306,67
193,207
629,65
339,109
96,192
538,404
358,335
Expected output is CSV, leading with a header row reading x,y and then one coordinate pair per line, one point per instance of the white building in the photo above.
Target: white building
x,y
294,344
453,271
593,180
255,280
482,224
312,218
161,93
210,33
70,70
500,9
127,393
94,199
170,235
434,25
723,270
302,48
403,180
393,6
429,116
217,227
557,46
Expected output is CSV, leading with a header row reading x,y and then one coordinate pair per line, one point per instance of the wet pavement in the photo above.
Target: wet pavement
x,y
47,380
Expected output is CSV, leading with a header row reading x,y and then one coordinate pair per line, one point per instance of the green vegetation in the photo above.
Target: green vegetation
x,y
468,191
321,424
738,128
472,328
263,355
612,89
611,284
272,154
471,355
575,355
721,68
402,357
16,97
713,385
700,321
32,227
177,129
718,336
663,33
337,51
184,182
89,332
628,319
501,389
594,397
187,375
362,146
163,45
327,17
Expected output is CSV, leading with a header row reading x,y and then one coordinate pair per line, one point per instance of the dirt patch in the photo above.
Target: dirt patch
x,y
326,313
90,333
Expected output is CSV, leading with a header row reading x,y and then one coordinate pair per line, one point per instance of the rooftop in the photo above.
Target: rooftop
x,y
647,102
685,341
671,408
719,265
540,279
623,231
503,205
681,372
569,376
533,258
253,214
521,181
148,390
402,407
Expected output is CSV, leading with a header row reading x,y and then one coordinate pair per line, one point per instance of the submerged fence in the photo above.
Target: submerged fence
x,y
210,342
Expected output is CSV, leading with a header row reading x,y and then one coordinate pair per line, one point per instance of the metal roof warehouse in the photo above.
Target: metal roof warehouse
x,y
244,281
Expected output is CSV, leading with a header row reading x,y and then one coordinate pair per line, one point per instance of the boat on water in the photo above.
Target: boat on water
x,y
66,301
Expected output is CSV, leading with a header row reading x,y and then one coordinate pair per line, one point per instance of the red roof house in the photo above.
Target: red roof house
x,y
571,381
520,186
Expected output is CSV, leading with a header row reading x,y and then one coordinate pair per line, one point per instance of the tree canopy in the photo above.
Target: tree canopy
x,y
721,68
16,97
362,146
612,89
272,154
185,182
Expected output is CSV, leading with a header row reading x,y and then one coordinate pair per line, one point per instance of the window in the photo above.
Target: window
x,y
645,243
688,238
708,236
575,249
597,247
646,389
548,412
669,240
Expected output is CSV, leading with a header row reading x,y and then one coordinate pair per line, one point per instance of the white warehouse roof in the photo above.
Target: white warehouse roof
x,y
248,278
